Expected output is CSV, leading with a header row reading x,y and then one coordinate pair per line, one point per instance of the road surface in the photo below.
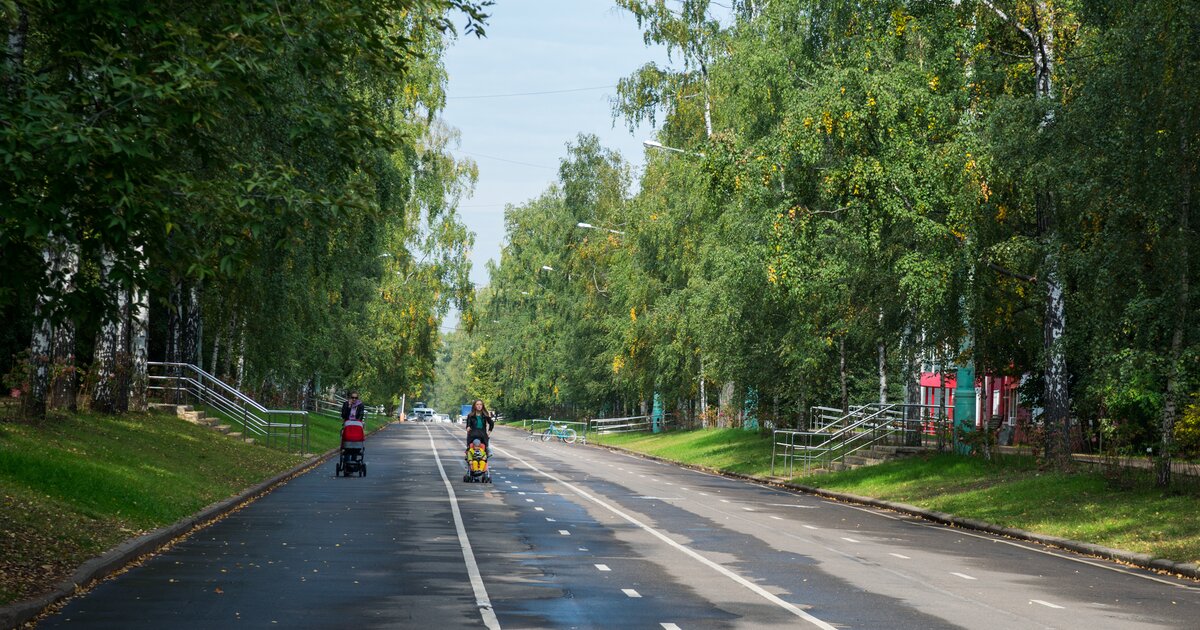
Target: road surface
x,y
580,537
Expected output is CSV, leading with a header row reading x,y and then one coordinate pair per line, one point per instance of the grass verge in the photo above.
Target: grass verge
x,y
77,486
1009,491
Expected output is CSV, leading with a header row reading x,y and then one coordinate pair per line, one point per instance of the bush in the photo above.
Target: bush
x,y
1187,430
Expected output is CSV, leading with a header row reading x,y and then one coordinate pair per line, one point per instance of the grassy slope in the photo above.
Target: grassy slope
x,y
78,486
1010,491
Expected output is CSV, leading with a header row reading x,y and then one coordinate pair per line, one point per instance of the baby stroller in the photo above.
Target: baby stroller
x,y
352,451
477,463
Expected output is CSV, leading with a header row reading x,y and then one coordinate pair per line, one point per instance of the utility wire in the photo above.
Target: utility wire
x,y
585,89
500,159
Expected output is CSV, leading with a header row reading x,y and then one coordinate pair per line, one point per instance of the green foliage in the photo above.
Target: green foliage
x,y
267,155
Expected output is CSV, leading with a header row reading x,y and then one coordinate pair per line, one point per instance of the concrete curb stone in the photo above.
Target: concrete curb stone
x,y
1141,560
117,558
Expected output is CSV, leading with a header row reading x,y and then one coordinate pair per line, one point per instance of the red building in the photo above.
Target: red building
x,y
995,397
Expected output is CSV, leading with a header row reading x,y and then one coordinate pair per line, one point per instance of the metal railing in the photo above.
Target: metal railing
x,y
835,438
184,383
629,424
538,428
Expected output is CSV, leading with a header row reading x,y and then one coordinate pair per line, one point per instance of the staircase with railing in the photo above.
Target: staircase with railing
x,y
833,436
184,383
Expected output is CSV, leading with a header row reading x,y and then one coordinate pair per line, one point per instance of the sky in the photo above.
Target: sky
x,y
540,46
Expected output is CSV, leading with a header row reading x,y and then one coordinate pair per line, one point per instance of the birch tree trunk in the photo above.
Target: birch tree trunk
x,y
882,347
39,357
1056,397
190,350
64,376
912,389
174,327
1170,401
106,362
842,374
139,331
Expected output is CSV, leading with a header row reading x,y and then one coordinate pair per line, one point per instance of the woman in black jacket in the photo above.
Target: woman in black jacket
x,y
479,423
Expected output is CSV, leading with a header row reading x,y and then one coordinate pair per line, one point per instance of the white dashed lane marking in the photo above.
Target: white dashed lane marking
x,y
529,500
849,539
810,527
550,520
962,575
1046,604
540,509
564,532
602,567
630,592
669,626
900,555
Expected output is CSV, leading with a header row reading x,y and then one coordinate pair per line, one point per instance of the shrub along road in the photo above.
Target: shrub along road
x,y
572,536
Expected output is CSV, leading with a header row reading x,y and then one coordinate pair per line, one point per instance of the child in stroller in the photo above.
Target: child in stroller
x,y
477,463
353,436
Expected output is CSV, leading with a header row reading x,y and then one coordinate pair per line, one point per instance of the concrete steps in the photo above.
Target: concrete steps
x,y
197,417
877,454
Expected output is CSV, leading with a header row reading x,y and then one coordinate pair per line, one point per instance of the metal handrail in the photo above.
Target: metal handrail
x,y
254,417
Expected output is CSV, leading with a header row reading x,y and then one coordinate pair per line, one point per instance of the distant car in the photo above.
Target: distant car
x,y
423,414
441,417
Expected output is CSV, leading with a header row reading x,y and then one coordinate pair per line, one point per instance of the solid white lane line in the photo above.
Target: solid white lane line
x,y
564,532
756,589
630,592
1046,604
602,567
849,539
900,555
963,575
481,597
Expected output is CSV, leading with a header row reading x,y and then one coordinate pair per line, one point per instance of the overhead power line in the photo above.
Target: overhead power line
x,y
584,89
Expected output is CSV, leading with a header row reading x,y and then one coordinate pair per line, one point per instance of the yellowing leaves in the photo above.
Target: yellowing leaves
x,y
633,314
618,363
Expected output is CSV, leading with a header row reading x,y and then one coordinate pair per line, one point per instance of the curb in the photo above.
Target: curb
x,y
128,552
1140,560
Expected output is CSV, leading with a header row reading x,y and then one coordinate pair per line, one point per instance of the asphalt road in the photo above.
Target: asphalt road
x,y
579,537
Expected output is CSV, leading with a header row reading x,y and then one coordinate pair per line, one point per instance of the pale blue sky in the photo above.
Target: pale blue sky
x,y
537,46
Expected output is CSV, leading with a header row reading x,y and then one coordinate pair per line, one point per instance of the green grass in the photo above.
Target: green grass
x,y
734,450
1009,491
74,487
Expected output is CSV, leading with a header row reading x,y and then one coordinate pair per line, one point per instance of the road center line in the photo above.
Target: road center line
x,y
758,590
481,597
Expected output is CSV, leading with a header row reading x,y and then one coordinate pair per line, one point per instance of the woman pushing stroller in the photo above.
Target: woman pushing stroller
x,y
353,435
480,424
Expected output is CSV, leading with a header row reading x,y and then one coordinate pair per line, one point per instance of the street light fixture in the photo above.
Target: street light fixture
x,y
589,226
654,144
